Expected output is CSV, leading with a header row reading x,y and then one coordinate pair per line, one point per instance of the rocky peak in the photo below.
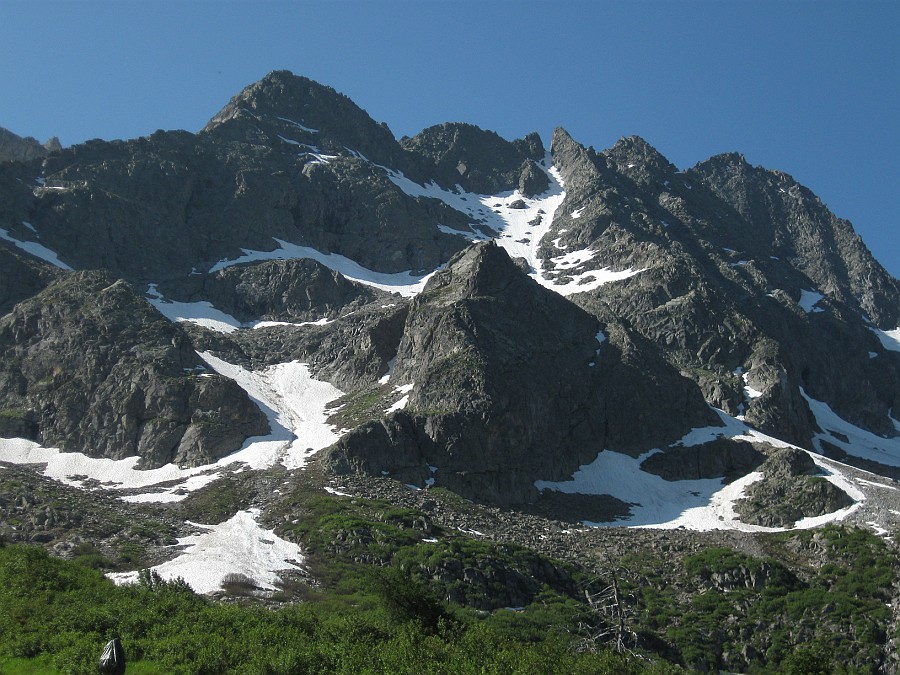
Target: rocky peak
x,y
478,160
17,149
787,220
286,104
483,269
574,161
639,160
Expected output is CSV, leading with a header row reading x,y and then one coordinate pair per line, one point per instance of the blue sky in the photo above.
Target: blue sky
x,y
808,87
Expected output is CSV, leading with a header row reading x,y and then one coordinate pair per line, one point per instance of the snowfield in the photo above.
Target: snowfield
x,y
701,505
237,546
521,223
294,402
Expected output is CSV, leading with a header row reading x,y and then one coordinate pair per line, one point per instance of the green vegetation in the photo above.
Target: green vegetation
x,y
733,611
396,593
360,406
55,616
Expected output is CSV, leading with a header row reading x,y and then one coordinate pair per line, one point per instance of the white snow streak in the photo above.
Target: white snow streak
x,y
294,402
890,339
861,443
406,284
521,223
35,249
704,504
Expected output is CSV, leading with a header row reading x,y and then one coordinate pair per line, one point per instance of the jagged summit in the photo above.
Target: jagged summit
x,y
294,105
478,160
14,148
650,293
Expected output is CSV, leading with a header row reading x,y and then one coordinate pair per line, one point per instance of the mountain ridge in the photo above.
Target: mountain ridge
x,y
453,308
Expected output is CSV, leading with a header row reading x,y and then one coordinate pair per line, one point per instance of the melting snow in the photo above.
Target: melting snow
x,y
237,546
576,213
294,402
201,313
521,224
704,504
861,443
573,259
298,125
808,301
390,371
35,249
890,339
406,284
404,389
749,392
204,314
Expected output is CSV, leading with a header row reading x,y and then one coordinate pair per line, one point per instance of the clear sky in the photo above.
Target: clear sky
x,y
808,87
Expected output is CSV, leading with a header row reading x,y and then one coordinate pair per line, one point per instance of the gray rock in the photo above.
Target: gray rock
x,y
94,369
495,358
480,161
722,457
14,148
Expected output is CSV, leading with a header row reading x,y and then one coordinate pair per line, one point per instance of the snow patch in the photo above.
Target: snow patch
x,y
749,392
337,492
704,504
404,389
890,339
861,443
35,249
294,402
809,299
587,281
384,379
298,125
406,284
201,313
237,546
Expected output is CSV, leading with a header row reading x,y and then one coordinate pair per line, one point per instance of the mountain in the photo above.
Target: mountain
x,y
514,341
15,148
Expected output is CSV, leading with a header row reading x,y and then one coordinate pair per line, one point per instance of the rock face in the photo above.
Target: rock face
x,y
789,491
278,290
21,276
731,286
503,370
723,457
479,161
14,148
736,288
86,365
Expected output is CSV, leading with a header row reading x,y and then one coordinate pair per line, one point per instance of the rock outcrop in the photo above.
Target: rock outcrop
x,y
511,383
14,148
88,366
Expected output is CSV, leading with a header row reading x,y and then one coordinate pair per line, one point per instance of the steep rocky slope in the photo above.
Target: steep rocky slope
x,y
86,365
508,381
432,352
659,292
14,148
